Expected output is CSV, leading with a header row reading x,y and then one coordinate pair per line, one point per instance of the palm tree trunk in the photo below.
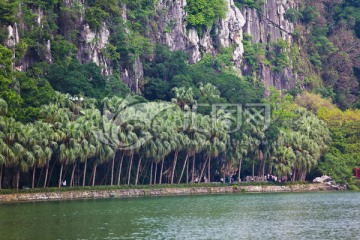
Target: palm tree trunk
x,y
137,171
193,170
303,176
260,168
144,171
294,176
224,173
104,179
112,169
155,173
33,177
94,174
120,168
183,169
253,168
72,175
203,170
151,172
263,173
130,165
50,175
174,166
1,173
209,169
84,174
239,173
39,178
161,170
187,172
61,169
17,179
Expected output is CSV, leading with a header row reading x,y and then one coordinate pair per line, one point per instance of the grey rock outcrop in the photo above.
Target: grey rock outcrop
x,y
327,181
172,31
13,36
94,44
264,26
322,179
269,25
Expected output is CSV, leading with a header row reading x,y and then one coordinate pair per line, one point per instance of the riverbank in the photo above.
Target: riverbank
x,y
163,191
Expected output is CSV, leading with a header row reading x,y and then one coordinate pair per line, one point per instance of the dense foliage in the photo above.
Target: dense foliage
x,y
203,13
343,154
257,4
60,116
73,134
329,59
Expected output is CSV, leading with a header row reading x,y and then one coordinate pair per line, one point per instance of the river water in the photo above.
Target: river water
x,y
323,215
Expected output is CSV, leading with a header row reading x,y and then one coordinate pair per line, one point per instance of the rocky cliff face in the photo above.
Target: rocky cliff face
x,y
171,29
173,32
93,44
269,26
265,26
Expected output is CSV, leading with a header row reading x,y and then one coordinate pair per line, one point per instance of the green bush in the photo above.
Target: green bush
x,y
309,14
7,11
254,54
139,14
257,4
203,13
278,55
62,50
95,16
293,15
223,60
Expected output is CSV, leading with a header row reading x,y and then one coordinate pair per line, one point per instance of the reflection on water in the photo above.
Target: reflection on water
x,y
250,216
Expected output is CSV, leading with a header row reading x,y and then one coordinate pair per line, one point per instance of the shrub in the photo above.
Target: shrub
x,y
309,14
293,15
95,16
203,13
257,4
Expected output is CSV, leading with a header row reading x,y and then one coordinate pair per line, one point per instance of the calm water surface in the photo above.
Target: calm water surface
x,y
334,215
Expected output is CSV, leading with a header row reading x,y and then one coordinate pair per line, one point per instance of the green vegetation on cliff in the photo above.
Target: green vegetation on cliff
x,y
203,13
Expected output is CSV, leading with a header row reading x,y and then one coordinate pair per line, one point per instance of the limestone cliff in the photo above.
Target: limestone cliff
x,y
268,24
265,26
228,31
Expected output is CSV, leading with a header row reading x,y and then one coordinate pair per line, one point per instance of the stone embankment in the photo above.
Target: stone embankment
x,y
121,193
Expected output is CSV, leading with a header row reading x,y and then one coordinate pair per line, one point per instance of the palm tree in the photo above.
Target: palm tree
x,y
218,135
7,139
183,97
25,158
120,122
199,135
164,131
3,107
12,152
177,139
46,139
70,148
3,146
89,122
104,154
305,139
